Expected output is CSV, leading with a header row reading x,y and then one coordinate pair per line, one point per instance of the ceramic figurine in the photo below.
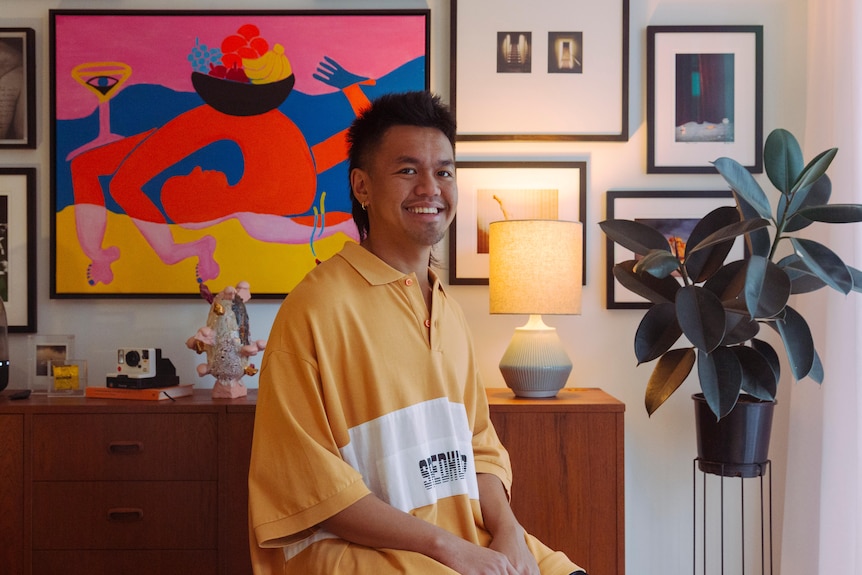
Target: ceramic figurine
x,y
226,340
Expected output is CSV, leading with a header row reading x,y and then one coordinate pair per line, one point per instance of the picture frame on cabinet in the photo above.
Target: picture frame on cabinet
x,y
495,190
162,168
43,350
17,88
540,70
18,247
704,98
673,212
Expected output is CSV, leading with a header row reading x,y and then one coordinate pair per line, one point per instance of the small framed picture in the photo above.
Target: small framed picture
x,y
17,88
704,97
674,213
491,191
45,350
18,247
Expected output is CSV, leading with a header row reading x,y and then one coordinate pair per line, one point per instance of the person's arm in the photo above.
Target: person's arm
x,y
508,536
374,523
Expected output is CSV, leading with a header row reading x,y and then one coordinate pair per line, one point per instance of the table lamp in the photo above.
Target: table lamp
x,y
536,268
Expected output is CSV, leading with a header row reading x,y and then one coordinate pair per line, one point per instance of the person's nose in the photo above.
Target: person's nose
x,y
428,185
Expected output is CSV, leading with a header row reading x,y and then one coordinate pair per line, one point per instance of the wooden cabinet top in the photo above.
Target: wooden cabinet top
x,y
200,401
570,399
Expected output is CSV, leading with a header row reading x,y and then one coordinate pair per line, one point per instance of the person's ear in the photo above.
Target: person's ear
x,y
360,185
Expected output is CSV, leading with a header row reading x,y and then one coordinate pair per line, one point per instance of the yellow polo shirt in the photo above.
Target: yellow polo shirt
x,y
361,390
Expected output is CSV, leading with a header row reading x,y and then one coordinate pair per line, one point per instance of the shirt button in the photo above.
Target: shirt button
x,y
408,281
427,323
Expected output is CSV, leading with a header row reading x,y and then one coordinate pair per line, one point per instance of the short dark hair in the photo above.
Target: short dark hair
x,y
420,108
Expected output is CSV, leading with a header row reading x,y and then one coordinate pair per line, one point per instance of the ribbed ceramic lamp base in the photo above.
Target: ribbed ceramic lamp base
x,y
535,363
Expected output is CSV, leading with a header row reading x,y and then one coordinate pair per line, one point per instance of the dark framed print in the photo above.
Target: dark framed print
x,y
209,146
492,191
18,247
704,97
674,213
17,88
540,70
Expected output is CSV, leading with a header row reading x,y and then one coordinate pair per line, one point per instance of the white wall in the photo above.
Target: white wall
x,y
659,451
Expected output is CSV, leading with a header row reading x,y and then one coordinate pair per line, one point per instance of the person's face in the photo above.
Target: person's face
x,y
409,187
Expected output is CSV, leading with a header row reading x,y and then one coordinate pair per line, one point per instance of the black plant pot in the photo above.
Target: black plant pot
x,y
738,444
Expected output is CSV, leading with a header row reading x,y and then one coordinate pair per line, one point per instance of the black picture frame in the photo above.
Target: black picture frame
x,y
235,173
18,243
686,207
496,190
18,88
540,94
704,97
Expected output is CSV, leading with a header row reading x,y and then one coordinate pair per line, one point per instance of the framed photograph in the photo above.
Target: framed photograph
x,y
209,146
43,351
540,70
492,191
674,213
17,88
18,247
704,97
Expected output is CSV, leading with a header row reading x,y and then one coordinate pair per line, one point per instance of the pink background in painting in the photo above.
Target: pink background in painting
x,y
156,47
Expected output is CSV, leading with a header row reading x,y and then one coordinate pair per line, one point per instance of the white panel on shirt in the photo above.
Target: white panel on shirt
x,y
415,456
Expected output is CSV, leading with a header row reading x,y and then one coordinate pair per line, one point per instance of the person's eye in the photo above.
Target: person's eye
x,y
408,171
446,173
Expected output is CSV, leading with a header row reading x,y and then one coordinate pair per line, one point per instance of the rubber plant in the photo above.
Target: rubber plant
x,y
722,306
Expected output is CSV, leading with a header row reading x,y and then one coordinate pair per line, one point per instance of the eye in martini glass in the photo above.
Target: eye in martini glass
x,y
104,80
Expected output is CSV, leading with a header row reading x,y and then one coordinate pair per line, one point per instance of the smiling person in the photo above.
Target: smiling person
x,y
373,450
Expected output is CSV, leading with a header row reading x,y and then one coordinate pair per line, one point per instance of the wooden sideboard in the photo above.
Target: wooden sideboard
x,y
567,460
138,487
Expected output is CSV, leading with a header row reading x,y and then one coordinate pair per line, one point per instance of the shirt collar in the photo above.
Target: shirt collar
x,y
373,269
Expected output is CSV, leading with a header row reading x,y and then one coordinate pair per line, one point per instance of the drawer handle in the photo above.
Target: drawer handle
x,y
125,447
126,514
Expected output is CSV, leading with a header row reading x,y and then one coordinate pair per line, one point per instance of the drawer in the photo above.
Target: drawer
x,y
125,515
136,446
125,562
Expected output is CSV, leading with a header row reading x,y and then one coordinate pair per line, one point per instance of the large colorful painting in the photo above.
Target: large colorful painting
x,y
209,146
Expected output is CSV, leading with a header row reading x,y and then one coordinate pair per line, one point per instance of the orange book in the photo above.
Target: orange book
x,y
152,394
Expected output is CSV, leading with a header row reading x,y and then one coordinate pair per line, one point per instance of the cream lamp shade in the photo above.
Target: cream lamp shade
x,y
536,268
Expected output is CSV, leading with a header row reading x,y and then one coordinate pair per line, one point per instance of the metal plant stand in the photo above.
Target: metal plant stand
x,y
761,471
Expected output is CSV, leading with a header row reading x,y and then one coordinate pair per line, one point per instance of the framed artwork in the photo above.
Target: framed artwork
x,y
704,97
45,350
540,70
492,191
17,88
18,247
209,146
674,213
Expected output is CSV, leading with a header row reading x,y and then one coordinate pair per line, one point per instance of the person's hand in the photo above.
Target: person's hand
x,y
332,74
513,545
470,559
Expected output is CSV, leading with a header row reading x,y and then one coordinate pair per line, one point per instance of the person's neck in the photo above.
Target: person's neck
x,y
402,258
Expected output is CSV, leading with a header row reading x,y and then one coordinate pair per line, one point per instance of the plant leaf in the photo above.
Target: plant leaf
x,y
720,377
782,159
657,332
758,378
815,168
857,278
739,328
648,287
833,213
817,195
769,353
635,236
798,343
816,372
756,241
701,263
743,183
824,263
657,263
701,317
767,288
728,282
669,373
802,279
